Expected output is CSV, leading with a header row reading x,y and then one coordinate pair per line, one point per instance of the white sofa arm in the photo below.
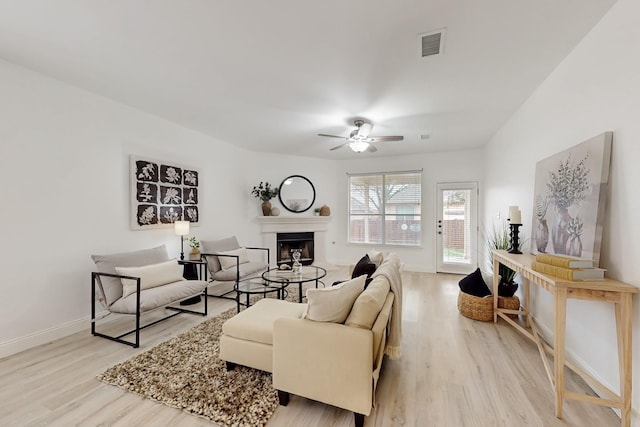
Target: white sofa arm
x,y
328,362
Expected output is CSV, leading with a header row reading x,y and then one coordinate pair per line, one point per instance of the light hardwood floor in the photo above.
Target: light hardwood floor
x,y
454,372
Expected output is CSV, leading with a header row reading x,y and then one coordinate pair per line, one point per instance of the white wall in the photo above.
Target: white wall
x,y
595,89
437,167
64,160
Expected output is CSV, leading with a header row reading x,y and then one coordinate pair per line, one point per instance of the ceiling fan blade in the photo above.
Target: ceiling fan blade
x,y
338,146
385,138
372,148
332,136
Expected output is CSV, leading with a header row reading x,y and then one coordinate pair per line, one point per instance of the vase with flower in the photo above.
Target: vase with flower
x,y
194,255
265,192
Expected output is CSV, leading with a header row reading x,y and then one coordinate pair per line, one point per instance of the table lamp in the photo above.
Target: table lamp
x,y
182,229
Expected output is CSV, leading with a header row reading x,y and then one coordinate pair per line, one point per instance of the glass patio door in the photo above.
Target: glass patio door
x,y
457,227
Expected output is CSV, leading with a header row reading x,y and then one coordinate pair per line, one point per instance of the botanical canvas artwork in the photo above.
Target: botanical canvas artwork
x,y
569,200
162,193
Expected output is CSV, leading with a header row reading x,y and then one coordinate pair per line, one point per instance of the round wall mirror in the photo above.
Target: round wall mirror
x,y
297,193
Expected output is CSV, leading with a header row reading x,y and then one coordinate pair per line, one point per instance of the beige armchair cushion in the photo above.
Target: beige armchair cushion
x,y
150,276
214,247
111,287
333,304
159,296
247,270
230,262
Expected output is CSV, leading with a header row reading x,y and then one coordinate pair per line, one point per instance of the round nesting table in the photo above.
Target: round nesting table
x,y
256,286
308,273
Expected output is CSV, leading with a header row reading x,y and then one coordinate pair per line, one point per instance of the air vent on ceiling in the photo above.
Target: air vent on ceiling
x,y
432,43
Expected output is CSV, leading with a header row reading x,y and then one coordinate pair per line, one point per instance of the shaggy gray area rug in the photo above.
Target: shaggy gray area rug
x,y
185,372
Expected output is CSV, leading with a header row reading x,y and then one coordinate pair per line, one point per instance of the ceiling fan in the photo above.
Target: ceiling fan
x,y
359,139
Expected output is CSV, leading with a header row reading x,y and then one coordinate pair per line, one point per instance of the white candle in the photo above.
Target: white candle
x,y
515,216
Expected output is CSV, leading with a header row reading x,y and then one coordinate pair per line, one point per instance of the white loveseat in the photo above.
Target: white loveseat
x,y
337,363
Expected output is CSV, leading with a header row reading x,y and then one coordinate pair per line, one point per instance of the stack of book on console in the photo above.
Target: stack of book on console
x,y
567,268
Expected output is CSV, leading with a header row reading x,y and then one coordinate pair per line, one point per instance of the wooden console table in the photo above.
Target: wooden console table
x,y
604,290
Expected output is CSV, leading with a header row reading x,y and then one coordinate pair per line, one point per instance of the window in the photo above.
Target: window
x,y
384,209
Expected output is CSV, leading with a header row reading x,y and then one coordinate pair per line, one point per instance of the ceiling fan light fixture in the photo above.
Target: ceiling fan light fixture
x,y
358,146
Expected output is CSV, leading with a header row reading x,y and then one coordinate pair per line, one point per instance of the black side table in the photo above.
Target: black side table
x,y
193,270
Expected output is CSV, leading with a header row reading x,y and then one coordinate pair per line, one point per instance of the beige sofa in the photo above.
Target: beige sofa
x,y
334,363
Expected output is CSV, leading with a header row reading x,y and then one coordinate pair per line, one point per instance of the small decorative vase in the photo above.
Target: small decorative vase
x,y
275,211
542,236
325,211
194,255
266,208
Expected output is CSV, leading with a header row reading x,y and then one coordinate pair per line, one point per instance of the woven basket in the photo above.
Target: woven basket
x,y
478,308
475,308
510,303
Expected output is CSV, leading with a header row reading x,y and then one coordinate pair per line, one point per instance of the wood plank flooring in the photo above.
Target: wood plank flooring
x,y
454,372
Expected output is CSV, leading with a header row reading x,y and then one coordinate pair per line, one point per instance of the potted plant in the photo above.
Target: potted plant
x,y
499,239
265,192
194,255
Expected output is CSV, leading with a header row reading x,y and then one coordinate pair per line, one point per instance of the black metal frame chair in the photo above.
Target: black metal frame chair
x,y
238,279
95,275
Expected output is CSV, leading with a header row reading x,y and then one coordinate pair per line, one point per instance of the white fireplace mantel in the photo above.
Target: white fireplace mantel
x,y
272,225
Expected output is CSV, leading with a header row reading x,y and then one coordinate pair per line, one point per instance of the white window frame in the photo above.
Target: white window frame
x,y
382,214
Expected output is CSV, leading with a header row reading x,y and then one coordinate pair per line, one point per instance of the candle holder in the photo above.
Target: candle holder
x,y
514,240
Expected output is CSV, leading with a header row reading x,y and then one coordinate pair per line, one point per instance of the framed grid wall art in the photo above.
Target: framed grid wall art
x,y
162,193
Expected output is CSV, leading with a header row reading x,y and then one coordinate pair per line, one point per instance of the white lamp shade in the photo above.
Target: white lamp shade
x,y
181,227
358,146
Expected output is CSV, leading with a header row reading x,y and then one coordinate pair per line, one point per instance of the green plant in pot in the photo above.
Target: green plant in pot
x,y
194,255
499,239
265,192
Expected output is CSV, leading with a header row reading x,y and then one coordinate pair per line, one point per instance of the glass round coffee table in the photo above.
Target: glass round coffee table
x,y
307,273
256,286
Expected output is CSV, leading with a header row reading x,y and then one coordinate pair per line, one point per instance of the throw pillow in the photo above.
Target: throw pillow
x,y
474,285
333,304
227,262
376,257
150,276
364,266
367,306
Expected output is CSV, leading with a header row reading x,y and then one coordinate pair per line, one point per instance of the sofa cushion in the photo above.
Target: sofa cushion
x,y
112,286
368,304
334,303
474,284
228,262
256,323
364,266
246,269
150,276
214,247
159,296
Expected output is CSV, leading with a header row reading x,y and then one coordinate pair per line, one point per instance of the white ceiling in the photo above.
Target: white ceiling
x,y
270,75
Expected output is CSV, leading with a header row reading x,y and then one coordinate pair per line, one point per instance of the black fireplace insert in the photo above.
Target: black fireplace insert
x,y
289,242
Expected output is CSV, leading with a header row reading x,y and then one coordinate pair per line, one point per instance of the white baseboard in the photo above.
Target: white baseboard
x,y
45,336
418,268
